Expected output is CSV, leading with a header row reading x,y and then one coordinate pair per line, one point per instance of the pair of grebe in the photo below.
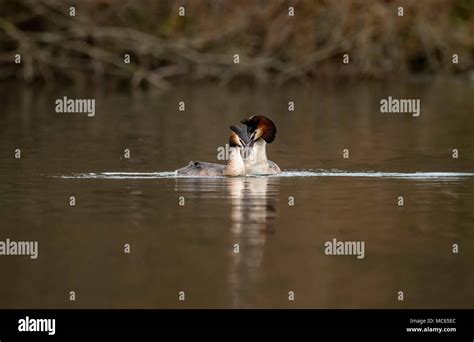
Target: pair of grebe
x,y
247,152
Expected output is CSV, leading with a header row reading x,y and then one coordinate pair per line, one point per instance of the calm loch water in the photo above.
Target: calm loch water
x,y
190,248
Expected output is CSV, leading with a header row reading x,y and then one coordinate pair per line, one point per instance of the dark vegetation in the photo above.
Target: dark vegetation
x,y
165,47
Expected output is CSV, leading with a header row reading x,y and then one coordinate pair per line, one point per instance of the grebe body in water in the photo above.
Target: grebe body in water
x,y
234,167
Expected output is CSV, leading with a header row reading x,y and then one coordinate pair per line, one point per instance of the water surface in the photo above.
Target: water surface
x,y
190,247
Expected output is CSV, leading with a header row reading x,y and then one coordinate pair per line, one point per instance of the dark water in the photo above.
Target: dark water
x,y
190,248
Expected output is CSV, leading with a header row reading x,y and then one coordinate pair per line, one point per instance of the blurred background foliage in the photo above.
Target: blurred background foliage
x,y
166,48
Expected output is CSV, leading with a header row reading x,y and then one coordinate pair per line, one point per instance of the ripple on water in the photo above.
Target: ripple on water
x,y
291,173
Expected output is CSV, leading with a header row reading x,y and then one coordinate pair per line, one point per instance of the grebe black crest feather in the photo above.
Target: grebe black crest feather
x,y
263,124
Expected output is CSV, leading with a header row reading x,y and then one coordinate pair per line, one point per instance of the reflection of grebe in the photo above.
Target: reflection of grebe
x,y
261,130
253,216
234,167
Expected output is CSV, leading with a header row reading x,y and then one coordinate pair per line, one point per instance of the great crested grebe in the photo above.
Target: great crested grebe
x,y
234,167
261,130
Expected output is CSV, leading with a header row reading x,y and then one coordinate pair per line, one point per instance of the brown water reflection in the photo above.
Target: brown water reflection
x,y
191,247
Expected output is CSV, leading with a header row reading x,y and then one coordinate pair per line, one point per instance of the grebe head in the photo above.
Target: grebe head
x,y
236,141
242,135
260,127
